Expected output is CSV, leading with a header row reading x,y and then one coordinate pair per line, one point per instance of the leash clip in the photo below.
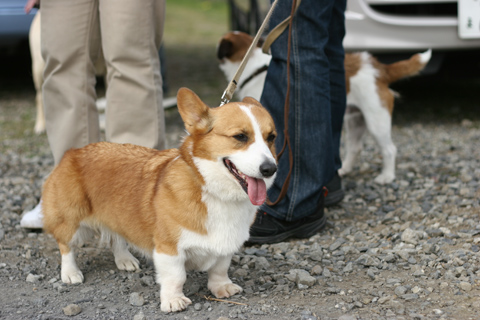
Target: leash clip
x,y
228,93
224,99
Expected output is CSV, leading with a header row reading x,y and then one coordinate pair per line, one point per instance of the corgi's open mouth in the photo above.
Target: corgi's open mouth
x,y
255,188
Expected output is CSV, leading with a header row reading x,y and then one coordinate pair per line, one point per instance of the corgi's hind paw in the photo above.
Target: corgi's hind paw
x,y
127,263
226,290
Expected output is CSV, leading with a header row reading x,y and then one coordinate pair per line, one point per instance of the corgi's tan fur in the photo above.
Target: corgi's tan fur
x,y
188,208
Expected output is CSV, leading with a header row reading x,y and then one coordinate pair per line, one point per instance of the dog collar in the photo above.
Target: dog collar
x,y
256,73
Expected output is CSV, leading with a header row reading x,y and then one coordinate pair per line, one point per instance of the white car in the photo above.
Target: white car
x,y
394,29
382,26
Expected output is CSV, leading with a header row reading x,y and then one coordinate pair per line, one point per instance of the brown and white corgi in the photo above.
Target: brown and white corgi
x,y
188,208
369,99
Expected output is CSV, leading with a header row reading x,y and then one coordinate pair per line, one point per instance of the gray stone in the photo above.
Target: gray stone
x,y
334,246
410,296
411,236
326,273
400,290
371,274
368,261
251,251
389,258
240,273
316,270
316,256
139,316
301,277
465,286
393,280
148,281
136,299
33,278
72,310
262,263
404,254
348,268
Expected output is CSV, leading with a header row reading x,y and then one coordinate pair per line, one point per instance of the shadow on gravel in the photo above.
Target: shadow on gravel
x,y
450,96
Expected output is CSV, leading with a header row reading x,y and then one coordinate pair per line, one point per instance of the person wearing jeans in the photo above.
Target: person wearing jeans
x,y
317,107
129,33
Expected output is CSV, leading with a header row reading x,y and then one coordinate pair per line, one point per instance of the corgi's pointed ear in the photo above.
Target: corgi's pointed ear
x,y
251,100
195,113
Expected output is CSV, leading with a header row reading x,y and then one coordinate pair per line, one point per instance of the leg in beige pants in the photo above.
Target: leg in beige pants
x,y
131,32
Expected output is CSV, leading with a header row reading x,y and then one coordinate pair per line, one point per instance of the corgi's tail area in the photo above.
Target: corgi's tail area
x,y
409,67
64,202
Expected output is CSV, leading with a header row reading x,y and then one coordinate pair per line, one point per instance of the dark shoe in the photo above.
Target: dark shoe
x,y
335,191
267,229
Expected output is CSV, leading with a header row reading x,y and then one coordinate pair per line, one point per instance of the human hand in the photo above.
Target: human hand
x,y
31,4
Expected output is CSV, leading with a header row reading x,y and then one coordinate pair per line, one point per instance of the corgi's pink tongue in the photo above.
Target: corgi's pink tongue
x,y
257,191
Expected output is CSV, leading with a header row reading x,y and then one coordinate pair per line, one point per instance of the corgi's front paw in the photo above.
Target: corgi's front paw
x,y
175,304
225,290
72,276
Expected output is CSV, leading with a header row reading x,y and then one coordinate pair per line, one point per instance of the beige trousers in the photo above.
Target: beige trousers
x,y
129,33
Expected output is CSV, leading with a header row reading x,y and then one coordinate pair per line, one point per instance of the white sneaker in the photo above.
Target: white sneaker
x,y
33,219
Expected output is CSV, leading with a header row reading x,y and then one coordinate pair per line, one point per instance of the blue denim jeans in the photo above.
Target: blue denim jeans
x,y
317,102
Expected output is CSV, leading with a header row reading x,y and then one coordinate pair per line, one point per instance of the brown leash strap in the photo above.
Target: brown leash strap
x,y
278,30
286,141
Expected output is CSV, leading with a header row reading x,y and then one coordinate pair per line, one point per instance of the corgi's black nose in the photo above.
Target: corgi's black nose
x,y
268,168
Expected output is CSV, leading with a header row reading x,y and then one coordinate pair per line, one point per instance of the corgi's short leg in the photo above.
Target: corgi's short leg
x,y
355,128
171,276
70,272
218,281
123,258
67,233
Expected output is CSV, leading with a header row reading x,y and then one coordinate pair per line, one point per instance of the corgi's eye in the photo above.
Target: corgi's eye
x,y
241,137
271,137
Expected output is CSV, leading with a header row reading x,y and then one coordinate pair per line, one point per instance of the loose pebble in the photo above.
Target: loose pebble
x,y
72,310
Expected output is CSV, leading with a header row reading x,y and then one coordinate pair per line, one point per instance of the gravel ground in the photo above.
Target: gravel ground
x,y
408,250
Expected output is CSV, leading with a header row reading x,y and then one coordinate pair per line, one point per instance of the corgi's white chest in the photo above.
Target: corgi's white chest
x,y
227,225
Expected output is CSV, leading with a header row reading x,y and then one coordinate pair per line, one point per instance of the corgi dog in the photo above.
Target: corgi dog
x,y
369,99
187,208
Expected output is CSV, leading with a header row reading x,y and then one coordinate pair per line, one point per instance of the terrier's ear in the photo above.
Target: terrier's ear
x,y
195,113
253,101
224,49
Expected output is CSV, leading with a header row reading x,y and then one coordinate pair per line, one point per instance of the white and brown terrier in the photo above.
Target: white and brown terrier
x,y
370,101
